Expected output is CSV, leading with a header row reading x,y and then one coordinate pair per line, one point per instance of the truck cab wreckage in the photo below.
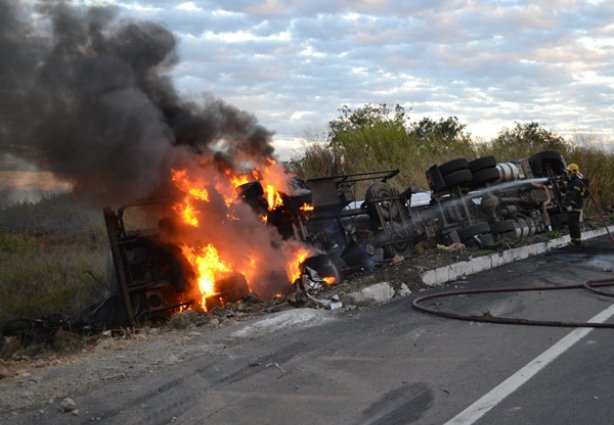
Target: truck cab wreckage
x,y
477,203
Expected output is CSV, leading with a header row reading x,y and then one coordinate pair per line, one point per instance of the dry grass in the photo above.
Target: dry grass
x,y
597,167
46,252
45,274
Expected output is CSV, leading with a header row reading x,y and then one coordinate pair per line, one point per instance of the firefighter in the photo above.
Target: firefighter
x,y
574,200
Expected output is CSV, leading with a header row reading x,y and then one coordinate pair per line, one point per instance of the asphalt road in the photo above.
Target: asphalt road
x,y
391,364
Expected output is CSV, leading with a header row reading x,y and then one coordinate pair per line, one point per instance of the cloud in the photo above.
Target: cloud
x,y
488,62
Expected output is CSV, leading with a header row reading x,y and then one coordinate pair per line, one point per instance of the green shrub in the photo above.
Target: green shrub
x,y
318,160
523,140
596,165
380,137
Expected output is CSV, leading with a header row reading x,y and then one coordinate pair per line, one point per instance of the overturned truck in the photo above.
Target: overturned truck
x,y
341,223
479,202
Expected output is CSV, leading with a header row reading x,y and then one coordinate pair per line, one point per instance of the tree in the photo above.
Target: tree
x,y
381,137
366,116
442,135
528,138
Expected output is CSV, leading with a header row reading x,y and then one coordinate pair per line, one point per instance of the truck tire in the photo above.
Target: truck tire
x,y
482,163
435,179
323,264
401,246
458,178
379,194
532,226
487,175
539,160
453,166
504,226
550,156
469,232
525,229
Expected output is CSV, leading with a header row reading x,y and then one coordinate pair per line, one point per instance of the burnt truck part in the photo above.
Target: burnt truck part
x,y
152,277
323,214
34,331
290,217
480,202
528,196
359,234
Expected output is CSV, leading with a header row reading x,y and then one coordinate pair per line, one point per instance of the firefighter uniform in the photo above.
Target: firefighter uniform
x,y
574,201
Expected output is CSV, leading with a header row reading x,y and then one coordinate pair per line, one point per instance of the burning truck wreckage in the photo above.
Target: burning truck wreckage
x,y
224,220
266,233
228,235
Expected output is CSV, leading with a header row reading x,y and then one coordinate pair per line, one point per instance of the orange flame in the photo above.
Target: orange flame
x,y
208,267
330,279
250,271
273,198
274,180
306,208
186,210
194,190
238,180
205,257
227,188
294,265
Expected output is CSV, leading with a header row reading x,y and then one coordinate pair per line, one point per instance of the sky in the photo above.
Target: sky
x,y
490,63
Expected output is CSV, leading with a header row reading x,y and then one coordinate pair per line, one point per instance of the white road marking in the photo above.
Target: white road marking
x,y
478,409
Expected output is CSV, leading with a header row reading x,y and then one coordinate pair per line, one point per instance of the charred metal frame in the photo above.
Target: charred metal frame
x,y
119,240
332,196
115,230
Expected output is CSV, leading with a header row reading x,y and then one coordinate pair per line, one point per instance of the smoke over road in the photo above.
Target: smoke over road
x,y
91,94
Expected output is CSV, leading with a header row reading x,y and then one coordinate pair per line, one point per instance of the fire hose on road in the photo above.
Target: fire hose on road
x,y
591,285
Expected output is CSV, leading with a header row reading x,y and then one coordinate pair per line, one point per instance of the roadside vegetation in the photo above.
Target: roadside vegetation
x,y
379,137
51,254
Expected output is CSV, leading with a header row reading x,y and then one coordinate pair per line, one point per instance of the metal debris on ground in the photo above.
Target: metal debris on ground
x,y
311,281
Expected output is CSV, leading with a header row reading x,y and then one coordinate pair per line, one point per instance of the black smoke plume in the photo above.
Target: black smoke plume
x,y
91,94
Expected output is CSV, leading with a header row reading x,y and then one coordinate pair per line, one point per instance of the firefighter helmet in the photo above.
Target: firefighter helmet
x,y
573,168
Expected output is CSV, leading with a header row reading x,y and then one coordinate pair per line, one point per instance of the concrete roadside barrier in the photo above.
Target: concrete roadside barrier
x,y
454,271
